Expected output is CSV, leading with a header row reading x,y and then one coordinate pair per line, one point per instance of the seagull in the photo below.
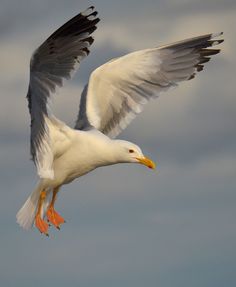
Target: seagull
x,y
116,92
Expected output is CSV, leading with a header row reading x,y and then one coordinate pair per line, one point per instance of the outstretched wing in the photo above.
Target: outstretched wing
x,y
118,90
52,62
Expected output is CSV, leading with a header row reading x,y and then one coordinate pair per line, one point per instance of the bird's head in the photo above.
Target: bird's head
x,y
131,153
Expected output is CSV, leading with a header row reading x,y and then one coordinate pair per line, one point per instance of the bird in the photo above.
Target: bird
x,y
115,94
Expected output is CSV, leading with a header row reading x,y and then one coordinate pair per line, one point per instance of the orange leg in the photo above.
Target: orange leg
x,y
39,222
53,216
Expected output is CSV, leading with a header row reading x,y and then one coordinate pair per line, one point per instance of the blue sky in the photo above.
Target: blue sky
x,y
127,225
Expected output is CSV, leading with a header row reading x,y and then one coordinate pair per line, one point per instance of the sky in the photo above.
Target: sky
x,y
126,225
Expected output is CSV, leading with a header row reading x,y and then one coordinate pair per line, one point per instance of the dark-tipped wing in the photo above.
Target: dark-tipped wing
x,y
52,62
118,90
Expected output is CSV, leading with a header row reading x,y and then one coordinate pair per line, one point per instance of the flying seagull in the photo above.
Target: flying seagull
x,y
116,92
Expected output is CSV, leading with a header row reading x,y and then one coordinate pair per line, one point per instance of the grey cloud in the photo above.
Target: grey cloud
x,y
19,17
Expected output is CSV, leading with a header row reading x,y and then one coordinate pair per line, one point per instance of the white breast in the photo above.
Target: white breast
x,y
87,151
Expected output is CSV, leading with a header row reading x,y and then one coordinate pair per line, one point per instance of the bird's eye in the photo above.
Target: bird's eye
x,y
131,151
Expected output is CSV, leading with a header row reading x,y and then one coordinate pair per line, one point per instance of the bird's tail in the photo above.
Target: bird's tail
x,y
26,215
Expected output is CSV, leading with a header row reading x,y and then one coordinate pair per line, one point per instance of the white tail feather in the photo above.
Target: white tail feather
x,y
26,215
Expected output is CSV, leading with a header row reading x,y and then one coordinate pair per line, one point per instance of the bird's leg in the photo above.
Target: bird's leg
x,y
53,216
39,222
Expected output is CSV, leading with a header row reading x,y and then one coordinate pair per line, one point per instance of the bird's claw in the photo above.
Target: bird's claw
x,y
54,217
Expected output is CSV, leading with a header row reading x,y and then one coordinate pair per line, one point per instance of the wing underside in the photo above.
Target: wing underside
x,y
54,61
118,90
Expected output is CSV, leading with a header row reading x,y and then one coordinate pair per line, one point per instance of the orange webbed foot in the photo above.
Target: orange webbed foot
x,y
54,217
41,225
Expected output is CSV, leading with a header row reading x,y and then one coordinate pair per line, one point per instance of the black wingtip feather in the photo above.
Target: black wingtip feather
x,y
204,60
205,53
86,50
209,52
220,41
78,24
192,76
89,39
199,68
93,14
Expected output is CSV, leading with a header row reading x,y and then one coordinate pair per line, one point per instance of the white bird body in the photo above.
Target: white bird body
x,y
116,92
77,152
84,153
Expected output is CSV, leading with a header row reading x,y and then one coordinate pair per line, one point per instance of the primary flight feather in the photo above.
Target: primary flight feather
x,y
116,92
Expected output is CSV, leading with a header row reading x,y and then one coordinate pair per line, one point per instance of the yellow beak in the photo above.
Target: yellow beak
x,y
147,161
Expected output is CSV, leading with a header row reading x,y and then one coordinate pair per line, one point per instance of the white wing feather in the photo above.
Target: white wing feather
x,y
52,62
118,90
